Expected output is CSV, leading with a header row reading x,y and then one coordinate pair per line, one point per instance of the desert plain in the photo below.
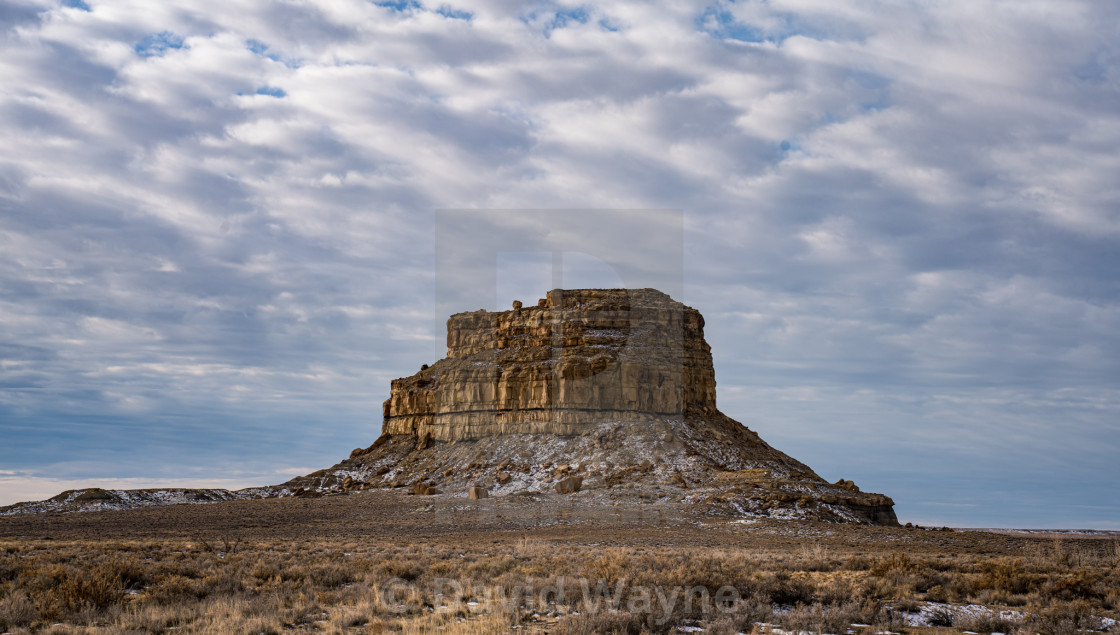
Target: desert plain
x,y
384,561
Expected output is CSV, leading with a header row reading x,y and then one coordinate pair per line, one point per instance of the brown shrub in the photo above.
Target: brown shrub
x,y
8,569
822,618
17,610
942,617
264,571
172,590
330,576
603,624
610,566
1006,575
1065,618
294,573
888,564
222,583
780,588
859,562
403,569
488,568
836,591
743,617
990,622
1081,584
94,587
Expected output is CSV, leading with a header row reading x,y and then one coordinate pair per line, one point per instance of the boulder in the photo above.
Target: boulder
x,y
569,485
477,492
423,489
679,479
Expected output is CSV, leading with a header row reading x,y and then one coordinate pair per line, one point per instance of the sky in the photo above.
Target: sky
x,y
223,227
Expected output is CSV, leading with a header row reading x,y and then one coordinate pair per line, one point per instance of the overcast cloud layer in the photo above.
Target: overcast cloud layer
x,y
901,221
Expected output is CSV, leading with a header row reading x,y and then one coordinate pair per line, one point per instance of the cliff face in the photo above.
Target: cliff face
x,y
613,387
576,359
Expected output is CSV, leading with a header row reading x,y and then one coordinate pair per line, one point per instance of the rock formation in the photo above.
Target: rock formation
x,y
613,389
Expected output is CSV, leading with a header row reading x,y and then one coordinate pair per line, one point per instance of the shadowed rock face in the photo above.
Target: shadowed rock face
x,y
617,385
578,358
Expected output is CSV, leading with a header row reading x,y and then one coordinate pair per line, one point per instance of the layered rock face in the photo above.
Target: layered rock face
x,y
576,359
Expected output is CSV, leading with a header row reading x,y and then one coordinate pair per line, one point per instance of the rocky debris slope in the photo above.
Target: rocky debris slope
x,y
598,394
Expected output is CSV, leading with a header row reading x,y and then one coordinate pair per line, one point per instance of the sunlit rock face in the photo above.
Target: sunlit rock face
x,y
578,358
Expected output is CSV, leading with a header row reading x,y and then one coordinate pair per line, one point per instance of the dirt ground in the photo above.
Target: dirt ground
x,y
394,515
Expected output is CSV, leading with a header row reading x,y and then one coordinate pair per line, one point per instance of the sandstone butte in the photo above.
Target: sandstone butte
x,y
598,393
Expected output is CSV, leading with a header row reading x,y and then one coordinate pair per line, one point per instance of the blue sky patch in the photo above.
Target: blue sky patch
x,y
76,4
789,145
608,24
564,18
271,91
264,50
720,23
157,44
400,5
550,21
454,14
786,147
260,48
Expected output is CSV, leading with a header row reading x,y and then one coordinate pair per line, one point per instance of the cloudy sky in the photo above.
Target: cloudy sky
x,y
901,220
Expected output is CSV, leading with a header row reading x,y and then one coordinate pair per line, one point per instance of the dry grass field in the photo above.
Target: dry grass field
x,y
376,562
